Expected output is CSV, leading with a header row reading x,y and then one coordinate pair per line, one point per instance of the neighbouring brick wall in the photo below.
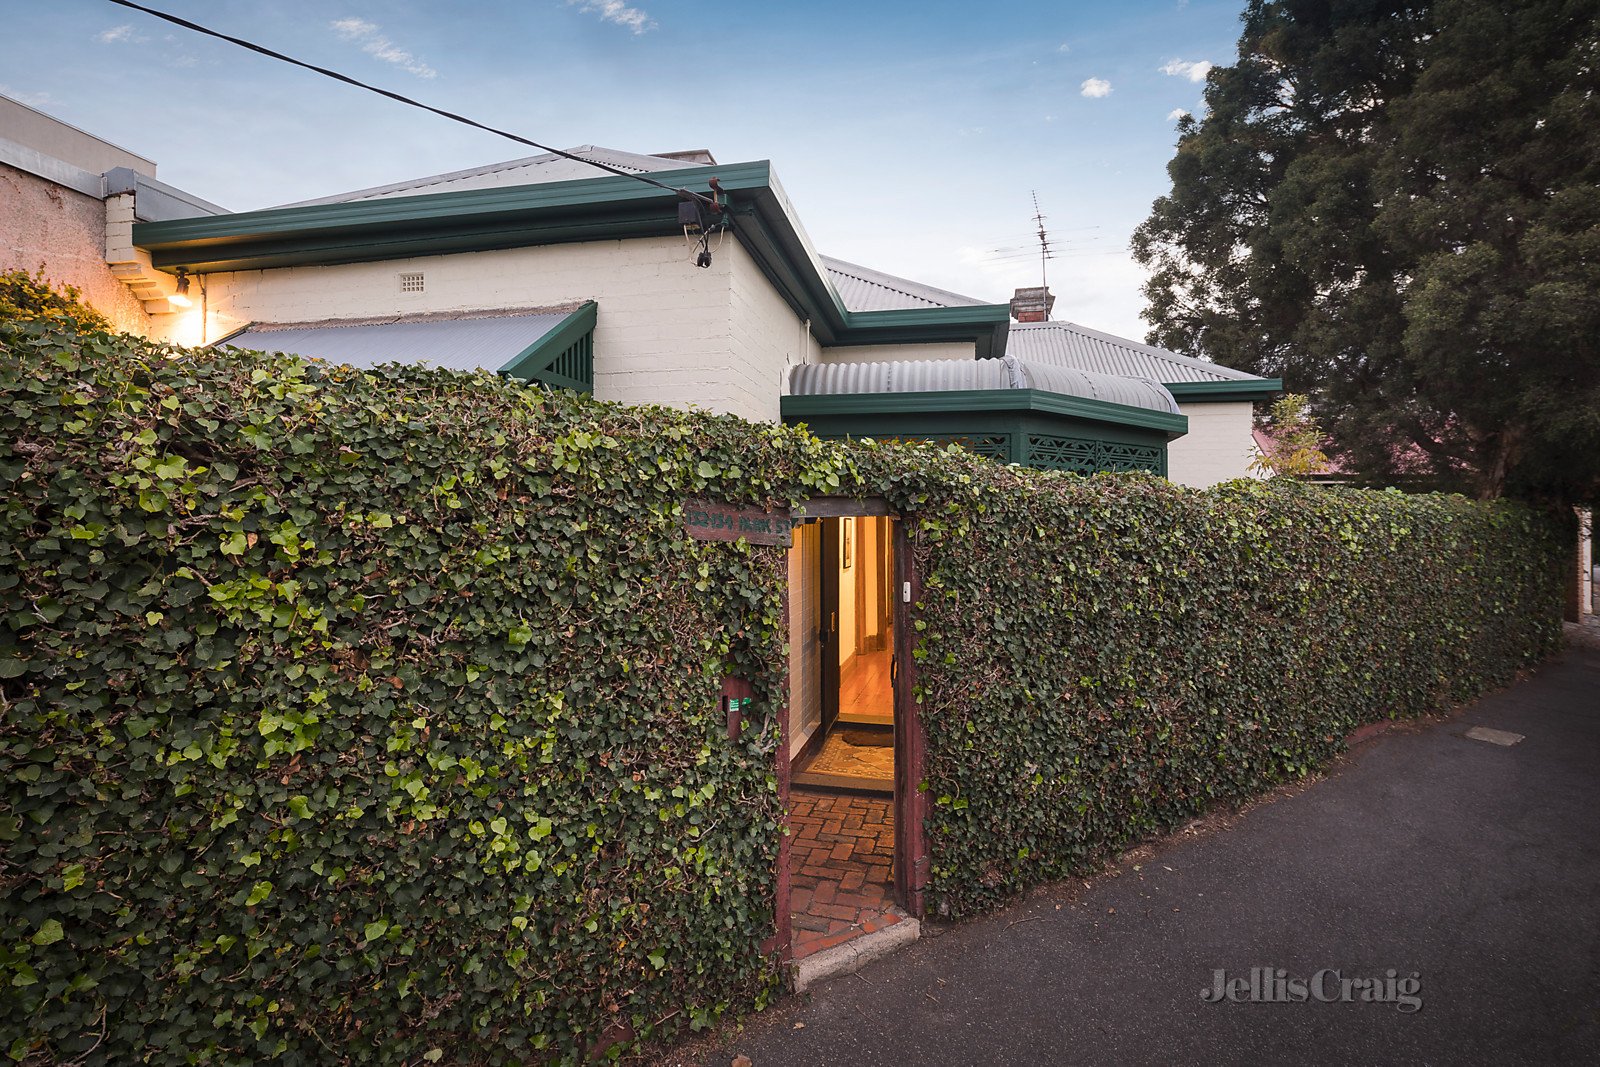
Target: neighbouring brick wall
x,y
45,226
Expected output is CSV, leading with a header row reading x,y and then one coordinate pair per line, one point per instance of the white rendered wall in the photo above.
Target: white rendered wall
x,y
900,353
1217,447
668,332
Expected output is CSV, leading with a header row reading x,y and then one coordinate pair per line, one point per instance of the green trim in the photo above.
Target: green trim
x,y
534,363
1215,392
592,209
1047,440
434,214
987,401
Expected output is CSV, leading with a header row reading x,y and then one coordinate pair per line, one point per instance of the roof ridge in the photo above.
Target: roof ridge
x,y
609,157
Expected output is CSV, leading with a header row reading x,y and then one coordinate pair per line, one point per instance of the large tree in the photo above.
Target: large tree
x,y
1396,207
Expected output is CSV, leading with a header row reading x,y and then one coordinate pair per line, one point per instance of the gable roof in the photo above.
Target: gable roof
x,y
864,289
530,170
1066,344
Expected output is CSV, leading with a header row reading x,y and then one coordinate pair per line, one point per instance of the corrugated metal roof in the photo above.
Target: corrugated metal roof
x,y
951,375
530,170
1066,344
864,289
457,342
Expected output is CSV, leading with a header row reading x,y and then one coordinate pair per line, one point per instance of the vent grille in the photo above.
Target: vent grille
x,y
411,283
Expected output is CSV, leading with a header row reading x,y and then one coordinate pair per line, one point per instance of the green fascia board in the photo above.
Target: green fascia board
x,y
567,333
1216,392
433,210
989,401
559,213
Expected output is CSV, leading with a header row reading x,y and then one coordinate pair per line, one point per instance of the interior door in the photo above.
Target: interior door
x,y
828,634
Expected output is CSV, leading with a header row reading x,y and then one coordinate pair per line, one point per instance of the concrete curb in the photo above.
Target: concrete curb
x,y
854,953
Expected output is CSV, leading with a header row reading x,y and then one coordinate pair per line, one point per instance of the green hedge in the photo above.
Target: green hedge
x,y
373,714
1102,658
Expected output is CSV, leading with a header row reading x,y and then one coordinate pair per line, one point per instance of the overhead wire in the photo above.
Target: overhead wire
x,y
400,98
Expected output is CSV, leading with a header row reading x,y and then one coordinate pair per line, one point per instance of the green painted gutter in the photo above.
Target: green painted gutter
x,y
1214,392
968,401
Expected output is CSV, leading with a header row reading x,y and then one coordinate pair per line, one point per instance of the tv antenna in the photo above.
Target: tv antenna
x,y
1044,241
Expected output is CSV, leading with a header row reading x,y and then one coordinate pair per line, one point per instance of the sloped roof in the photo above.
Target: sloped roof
x,y
1066,344
472,341
864,289
530,170
951,375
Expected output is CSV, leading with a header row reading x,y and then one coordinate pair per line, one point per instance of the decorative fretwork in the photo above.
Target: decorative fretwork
x,y
1086,455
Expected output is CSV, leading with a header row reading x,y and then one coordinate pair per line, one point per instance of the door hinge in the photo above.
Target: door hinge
x,y
905,592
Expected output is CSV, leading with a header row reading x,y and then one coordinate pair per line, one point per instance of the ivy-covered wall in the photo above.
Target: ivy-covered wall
x,y
373,714
1102,658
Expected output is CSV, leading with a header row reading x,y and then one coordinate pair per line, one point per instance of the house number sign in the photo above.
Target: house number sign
x,y
705,520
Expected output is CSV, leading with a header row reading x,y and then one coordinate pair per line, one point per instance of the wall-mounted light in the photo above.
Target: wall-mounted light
x,y
181,297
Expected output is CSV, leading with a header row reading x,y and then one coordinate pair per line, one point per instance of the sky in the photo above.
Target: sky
x,y
911,137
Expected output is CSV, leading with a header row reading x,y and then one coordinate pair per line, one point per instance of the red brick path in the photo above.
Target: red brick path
x,y
841,882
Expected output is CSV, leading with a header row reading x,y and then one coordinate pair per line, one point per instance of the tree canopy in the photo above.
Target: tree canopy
x,y
1395,206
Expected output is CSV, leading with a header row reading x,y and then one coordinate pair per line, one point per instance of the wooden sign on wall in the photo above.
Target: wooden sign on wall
x,y
706,520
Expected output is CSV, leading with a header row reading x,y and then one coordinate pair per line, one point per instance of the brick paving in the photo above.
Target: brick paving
x,y
841,882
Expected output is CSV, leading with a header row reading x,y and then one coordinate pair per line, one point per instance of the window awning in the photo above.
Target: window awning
x,y
550,345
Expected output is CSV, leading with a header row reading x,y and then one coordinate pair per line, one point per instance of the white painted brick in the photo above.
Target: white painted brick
x,y
895,353
1217,447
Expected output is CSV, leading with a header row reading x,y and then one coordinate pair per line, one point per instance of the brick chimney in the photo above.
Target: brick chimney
x,y
1032,305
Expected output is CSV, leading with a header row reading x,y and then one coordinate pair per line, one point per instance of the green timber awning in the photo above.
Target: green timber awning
x,y
1008,409
554,346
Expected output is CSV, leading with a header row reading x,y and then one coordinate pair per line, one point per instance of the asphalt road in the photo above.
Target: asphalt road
x,y
1472,866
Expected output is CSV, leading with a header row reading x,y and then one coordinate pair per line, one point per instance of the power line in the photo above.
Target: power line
x,y
452,116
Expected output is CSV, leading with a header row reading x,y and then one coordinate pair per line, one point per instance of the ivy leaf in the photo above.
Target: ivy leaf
x,y
49,933
258,893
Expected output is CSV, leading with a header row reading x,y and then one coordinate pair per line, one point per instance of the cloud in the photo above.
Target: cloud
x,y
380,47
1065,48
31,99
1177,113
119,35
1095,88
1194,70
617,12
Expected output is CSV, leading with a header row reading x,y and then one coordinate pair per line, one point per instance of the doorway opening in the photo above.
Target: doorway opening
x,y
849,740
843,737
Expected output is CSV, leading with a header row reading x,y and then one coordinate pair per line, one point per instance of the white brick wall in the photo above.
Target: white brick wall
x,y
668,332
768,339
900,353
1217,447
